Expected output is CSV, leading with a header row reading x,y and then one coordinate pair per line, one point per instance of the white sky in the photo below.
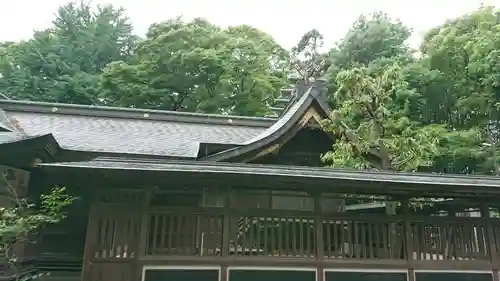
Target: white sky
x,y
285,20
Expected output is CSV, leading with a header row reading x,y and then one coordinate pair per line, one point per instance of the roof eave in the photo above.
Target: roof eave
x,y
313,94
24,152
359,182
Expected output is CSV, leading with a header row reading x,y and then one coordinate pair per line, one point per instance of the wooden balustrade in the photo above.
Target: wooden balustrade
x,y
363,239
462,240
122,236
117,238
180,234
343,238
273,236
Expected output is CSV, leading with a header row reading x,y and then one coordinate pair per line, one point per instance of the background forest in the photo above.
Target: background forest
x,y
432,109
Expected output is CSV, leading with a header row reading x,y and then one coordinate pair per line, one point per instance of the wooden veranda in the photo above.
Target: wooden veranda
x,y
211,218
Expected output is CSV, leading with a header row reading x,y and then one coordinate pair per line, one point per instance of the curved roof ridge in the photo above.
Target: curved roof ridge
x,y
286,121
285,118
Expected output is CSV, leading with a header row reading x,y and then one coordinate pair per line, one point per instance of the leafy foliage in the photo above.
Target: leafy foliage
x,y
307,60
198,67
372,118
20,219
394,108
371,37
63,63
430,109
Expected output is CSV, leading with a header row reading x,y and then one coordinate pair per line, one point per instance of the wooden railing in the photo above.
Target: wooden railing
x,y
458,240
179,234
117,238
273,236
365,237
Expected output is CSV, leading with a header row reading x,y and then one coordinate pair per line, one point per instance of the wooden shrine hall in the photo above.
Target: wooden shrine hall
x,y
181,196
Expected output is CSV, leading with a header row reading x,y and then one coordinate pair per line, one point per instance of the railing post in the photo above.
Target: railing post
x,y
408,238
490,240
90,239
144,224
226,224
320,243
144,229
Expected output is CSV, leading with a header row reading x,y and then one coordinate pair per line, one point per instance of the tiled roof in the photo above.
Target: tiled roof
x,y
6,137
142,132
5,124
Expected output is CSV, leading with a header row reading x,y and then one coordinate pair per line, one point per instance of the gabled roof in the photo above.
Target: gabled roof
x,y
164,134
131,131
310,106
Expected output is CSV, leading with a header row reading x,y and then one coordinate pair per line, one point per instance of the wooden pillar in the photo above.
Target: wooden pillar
x,y
411,274
496,276
408,238
320,273
226,224
491,241
144,223
226,234
90,239
320,243
143,237
224,274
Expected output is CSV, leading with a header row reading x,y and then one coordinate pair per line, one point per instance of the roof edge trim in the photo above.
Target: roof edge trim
x,y
133,113
290,171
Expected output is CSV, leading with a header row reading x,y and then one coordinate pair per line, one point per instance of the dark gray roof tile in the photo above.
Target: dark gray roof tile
x,y
134,136
6,137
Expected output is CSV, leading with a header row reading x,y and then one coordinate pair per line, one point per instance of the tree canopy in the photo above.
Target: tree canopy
x,y
432,109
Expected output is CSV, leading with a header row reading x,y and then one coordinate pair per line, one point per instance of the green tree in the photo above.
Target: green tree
x,y
198,67
373,124
20,221
307,60
63,63
376,43
371,37
466,54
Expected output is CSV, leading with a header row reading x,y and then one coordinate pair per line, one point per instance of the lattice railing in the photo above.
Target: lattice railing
x,y
273,236
184,234
363,239
460,240
117,238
